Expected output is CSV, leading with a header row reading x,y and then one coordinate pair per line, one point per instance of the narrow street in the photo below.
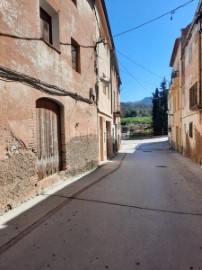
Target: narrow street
x,y
145,214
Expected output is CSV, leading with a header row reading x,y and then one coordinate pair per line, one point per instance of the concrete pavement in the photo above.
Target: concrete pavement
x,y
141,211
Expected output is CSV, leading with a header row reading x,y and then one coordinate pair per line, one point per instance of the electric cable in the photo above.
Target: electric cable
x,y
146,91
138,79
134,62
171,12
11,75
41,39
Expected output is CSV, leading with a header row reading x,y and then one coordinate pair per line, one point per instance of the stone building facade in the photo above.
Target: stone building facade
x,y
49,93
187,138
174,98
108,87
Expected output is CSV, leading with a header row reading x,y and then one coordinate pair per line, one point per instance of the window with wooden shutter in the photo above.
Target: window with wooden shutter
x,y
191,130
75,51
46,26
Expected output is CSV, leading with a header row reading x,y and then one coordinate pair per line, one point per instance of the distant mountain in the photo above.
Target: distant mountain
x,y
144,101
137,108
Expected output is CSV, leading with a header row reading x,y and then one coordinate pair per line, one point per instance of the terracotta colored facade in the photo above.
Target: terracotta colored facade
x,y
186,93
49,102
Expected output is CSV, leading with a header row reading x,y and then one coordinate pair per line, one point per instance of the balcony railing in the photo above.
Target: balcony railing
x,y
117,110
174,74
195,96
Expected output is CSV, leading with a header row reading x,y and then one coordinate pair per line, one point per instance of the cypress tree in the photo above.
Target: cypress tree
x,y
159,111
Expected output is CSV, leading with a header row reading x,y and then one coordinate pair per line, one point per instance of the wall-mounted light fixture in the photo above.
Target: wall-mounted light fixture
x,y
105,79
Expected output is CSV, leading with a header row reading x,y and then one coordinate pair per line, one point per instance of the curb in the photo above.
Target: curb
x,y
110,169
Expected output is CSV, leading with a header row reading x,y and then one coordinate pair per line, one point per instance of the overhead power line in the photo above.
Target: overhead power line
x,y
134,62
41,39
138,79
132,76
171,12
11,75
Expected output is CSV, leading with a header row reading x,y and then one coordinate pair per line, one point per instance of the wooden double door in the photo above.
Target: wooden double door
x,y
48,135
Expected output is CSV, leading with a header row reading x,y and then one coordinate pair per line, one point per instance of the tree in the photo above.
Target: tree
x,y
133,113
159,111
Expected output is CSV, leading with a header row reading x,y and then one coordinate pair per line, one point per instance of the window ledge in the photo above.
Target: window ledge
x,y
75,71
51,46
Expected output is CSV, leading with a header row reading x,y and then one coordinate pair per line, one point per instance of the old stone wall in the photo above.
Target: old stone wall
x,y
18,120
193,148
16,172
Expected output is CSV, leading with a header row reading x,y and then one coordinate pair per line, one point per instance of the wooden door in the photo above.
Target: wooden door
x,y
48,133
108,140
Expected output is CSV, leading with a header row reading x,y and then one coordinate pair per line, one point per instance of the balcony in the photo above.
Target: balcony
x,y
117,111
195,96
174,74
175,78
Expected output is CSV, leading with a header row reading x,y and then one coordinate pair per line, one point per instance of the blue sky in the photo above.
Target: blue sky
x,y
150,45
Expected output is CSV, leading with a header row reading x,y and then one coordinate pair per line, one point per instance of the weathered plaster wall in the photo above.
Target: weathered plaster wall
x,y
191,146
193,149
17,170
18,134
116,108
175,110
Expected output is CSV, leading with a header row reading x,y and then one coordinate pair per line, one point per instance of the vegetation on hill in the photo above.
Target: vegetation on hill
x,y
145,119
136,120
130,109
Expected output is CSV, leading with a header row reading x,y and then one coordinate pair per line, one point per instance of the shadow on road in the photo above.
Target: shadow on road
x,y
15,224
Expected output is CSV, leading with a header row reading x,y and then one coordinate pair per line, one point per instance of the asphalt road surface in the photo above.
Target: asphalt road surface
x,y
145,215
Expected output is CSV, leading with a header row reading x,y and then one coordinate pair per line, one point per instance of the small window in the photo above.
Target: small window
x,y
190,53
191,130
46,26
183,66
105,89
114,101
174,104
108,93
75,50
